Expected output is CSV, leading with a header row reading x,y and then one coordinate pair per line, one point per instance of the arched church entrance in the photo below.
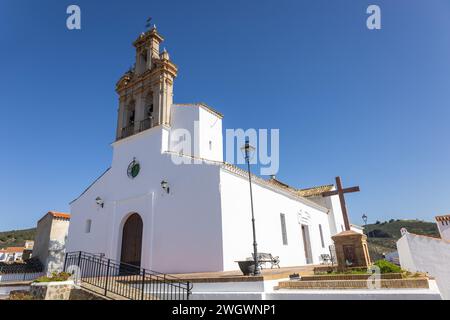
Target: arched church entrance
x,y
132,240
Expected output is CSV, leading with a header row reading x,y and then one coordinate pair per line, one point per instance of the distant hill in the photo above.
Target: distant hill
x,y
382,236
16,238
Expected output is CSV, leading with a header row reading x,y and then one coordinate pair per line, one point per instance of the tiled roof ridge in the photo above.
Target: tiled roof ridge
x,y
57,214
291,191
267,182
316,187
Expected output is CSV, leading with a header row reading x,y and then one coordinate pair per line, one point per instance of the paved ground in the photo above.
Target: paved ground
x,y
130,286
236,276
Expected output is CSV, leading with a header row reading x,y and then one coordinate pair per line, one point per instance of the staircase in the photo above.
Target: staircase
x,y
121,281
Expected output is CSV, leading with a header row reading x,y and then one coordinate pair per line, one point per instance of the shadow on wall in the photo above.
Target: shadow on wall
x,y
56,255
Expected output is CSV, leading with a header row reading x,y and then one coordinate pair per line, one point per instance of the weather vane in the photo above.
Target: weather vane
x,y
148,24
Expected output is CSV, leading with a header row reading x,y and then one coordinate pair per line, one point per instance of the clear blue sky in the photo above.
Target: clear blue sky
x,y
370,106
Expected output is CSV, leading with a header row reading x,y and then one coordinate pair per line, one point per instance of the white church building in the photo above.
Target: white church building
x,y
149,210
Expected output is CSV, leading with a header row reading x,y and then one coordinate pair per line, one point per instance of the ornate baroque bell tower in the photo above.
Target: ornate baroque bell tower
x,y
146,91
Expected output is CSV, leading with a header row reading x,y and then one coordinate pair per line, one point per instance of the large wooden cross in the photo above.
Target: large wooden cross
x,y
341,191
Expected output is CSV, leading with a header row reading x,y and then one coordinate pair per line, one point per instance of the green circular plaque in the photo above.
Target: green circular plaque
x,y
133,169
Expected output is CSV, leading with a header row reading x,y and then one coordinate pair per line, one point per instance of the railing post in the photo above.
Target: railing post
x,y
79,259
65,261
107,277
143,284
188,290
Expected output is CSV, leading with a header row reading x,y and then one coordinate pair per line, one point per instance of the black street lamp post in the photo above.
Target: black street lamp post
x,y
364,217
248,149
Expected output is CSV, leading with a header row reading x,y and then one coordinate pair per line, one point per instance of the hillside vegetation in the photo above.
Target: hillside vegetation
x,y
16,238
382,236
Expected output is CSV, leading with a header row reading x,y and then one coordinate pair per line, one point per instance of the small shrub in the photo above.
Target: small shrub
x,y
387,267
62,276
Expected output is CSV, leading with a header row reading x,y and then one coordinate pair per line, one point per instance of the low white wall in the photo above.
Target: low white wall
x,y
16,277
425,254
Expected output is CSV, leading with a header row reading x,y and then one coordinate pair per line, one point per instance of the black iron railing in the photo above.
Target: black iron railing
x,y
26,271
125,280
128,131
146,124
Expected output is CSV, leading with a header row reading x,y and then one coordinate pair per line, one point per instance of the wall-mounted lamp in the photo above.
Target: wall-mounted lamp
x,y
165,186
99,201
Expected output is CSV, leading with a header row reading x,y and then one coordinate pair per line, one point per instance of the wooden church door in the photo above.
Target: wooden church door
x,y
132,240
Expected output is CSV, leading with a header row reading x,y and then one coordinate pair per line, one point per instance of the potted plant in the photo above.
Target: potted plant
x,y
247,267
55,287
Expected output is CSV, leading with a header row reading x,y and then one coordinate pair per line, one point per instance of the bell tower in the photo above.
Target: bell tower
x,y
146,90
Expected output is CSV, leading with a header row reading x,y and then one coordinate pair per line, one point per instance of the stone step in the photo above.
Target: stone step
x,y
327,277
413,283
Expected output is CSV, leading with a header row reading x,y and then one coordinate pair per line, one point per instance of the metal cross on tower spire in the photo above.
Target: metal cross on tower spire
x,y
147,23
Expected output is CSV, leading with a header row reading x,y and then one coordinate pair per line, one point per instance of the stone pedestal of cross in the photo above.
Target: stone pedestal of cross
x,y
350,246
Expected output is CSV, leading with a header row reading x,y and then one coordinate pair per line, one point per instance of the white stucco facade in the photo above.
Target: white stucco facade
x,y
194,208
204,222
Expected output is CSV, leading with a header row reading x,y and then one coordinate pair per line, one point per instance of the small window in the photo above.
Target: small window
x,y
88,226
210,145
342,227
321,236
283,228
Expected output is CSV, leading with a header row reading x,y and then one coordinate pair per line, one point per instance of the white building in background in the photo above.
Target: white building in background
x,y
426,254
50,240
443,224
11,254
149,210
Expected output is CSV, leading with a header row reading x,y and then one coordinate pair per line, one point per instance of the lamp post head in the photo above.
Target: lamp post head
x,y
165,186
247,150
364,217
99,201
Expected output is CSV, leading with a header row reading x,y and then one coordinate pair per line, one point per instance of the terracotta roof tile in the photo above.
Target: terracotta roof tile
x,y
12,249
55,214
60,214
315,191
443,218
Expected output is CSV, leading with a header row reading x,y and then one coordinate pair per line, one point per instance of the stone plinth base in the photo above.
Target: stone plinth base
x,y
58,290
416,283
351,250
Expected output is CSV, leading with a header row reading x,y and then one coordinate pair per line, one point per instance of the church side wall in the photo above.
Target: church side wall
x,y
210,140
268,205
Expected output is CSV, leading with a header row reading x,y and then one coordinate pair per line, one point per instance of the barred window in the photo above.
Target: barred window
x,y
88,226
283,228
321,236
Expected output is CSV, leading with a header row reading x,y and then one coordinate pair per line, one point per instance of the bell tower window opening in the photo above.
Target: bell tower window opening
x,y
131,114
149,108
144,56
